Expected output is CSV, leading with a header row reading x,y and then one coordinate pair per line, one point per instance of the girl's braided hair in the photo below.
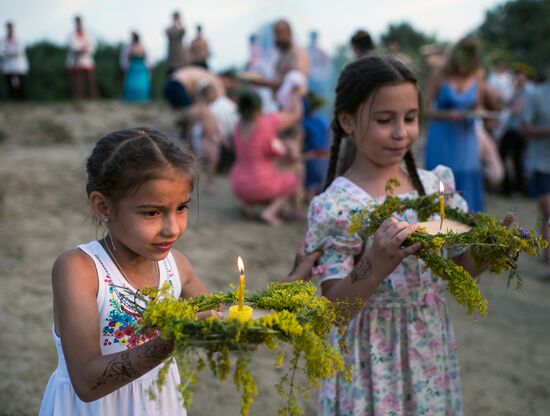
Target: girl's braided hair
x,y
357,82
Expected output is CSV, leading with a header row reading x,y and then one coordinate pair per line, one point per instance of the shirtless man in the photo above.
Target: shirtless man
x,y
204,112
183,90
291,58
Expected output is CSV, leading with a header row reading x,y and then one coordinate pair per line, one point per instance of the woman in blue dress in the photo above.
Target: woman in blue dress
x,y
452,98
137,82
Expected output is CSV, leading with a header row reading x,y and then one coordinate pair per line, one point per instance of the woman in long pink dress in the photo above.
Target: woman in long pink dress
x,y
255,178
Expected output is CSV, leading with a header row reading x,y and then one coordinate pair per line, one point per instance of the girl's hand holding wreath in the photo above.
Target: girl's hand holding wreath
x,y
387,252
474,242
303,265
465,258
212,313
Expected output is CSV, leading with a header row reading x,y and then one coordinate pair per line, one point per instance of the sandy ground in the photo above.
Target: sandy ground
x,y
505,357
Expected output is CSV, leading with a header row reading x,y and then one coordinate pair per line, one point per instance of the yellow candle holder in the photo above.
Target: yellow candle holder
x,y
242,315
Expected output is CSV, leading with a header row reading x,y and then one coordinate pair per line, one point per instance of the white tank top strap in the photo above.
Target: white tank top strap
x,y
169,271
103,267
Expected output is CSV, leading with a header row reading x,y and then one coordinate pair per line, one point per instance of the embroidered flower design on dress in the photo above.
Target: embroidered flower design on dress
x,y
123,321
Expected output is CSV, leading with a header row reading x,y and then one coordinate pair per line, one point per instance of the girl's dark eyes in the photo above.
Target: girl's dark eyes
x,y
155,212
387,120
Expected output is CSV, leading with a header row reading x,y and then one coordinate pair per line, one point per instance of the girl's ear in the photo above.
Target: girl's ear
x,y
346,122
100,206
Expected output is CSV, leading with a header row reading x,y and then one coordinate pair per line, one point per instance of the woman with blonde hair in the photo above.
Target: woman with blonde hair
x,y
452,97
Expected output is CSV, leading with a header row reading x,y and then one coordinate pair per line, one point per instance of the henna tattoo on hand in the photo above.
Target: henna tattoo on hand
x,y
119,369
361,271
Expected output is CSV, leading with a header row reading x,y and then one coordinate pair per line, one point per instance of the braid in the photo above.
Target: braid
x,y
413,173
338,133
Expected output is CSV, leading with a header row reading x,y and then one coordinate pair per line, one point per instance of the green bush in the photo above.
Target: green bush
x,y
48,78
158,78
109,76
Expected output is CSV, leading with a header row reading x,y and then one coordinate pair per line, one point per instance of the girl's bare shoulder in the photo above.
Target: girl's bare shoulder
x,y
184,265
191,285
74,267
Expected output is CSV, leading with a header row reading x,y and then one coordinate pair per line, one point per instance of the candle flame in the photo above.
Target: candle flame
x,y
240,265
441,187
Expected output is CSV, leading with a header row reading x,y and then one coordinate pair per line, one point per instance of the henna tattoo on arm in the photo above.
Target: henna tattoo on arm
x,y
119,369
155,352
361,271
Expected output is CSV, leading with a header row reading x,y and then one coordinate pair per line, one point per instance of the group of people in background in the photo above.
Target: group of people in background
x,y
490,127
268,120
485,125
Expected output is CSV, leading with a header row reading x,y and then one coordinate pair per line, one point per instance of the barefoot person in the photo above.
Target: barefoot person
x,y
254,176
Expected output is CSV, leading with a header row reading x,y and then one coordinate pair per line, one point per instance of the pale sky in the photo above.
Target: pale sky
x,y
228,23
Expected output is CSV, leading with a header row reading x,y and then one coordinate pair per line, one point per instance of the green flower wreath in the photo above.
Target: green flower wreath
x,y
299,318
489,242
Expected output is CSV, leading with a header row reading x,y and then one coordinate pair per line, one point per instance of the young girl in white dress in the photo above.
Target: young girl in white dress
x,y
139,185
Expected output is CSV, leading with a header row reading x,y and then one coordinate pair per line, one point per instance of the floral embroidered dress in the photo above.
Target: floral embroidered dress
x,y
118,323
401,347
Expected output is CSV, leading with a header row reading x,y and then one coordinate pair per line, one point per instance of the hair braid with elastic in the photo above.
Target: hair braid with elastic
x,y
413,173
338,133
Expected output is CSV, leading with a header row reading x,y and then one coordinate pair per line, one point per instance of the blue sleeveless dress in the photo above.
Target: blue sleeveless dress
x,y
137,84
454,144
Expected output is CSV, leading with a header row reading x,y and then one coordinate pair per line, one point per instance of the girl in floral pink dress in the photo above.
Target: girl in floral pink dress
x,y
401,346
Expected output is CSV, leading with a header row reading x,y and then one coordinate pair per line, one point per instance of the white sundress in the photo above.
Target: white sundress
x,y
117,326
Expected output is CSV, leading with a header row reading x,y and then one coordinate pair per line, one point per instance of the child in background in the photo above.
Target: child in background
x,y
139,185
293,161
206,137
401,346
316,146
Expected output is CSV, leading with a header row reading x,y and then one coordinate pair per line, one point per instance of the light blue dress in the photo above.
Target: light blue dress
x,y
454,144
137,84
